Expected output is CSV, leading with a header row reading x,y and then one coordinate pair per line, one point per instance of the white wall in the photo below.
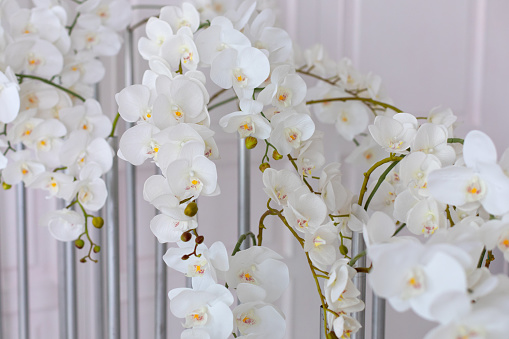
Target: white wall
x,y
451,53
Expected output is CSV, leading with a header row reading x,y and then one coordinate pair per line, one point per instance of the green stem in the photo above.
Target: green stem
x,y
380,180
222,103
242,238
357,257
368,173
74,23
455,140
399,229
68,91
92,244
481,258
114,126
374,102
292,160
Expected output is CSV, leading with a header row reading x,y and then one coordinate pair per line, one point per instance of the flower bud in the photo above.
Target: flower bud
x,y
264,166
191,209
185,256
343,249
276,155
199,239
79,243
83,260
251,142
98,222
97,249
186,236
6,186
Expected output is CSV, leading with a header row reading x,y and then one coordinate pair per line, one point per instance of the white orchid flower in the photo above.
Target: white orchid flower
x,y
205,310
141,142
178,17
265,36
482,181
57,184
422,279
135,103
322,245
394,134
259,266
34,56
286,89
432,139
311,155
305,210
203,269
180,50
259,318
290,130
91,189
21,167
65,225
218,37
115,14
248,121
101,41
280,184
192,177
178,100
9,96
82,67
79,149
35,22
158,31
88,117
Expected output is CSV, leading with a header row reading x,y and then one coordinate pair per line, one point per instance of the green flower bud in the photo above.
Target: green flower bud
x,y
79,243
186,236
97,249
276,155
251,142
199,239
264,166
98,222
83,260
343,249
6,186
191,209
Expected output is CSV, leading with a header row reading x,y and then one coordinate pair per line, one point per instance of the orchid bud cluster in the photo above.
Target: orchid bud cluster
x,y
53,132
420,176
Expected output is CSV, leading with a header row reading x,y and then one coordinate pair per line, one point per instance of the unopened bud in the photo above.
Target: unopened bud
x,y
185,256
343,249
185,237
276,155
98,222
79,243
191,209
97,249
264,166
6,186
83,260
251,142
199,239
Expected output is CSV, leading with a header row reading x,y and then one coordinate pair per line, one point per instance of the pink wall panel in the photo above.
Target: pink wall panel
x,y
451,53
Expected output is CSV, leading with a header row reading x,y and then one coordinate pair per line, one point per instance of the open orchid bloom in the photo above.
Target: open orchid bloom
x,y
54,133
480,182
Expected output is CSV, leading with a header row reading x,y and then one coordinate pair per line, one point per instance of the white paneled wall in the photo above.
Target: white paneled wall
x,y
429,53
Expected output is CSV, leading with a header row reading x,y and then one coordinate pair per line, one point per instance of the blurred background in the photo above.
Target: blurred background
x,y
451,53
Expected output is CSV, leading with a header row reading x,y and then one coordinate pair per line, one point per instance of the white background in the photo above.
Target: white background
x,y
449,53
